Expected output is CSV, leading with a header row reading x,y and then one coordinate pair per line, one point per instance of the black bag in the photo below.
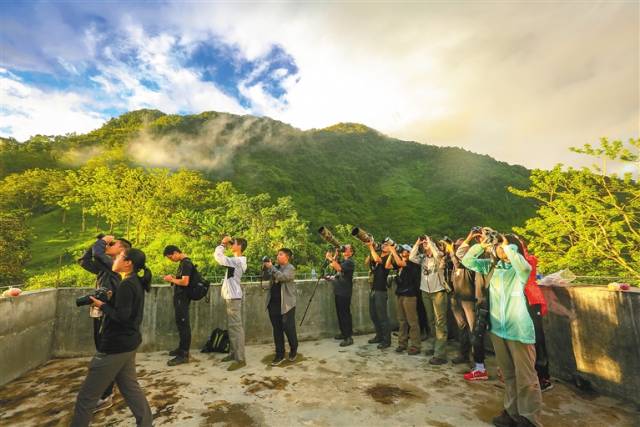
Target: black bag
x,y
218,342
198,285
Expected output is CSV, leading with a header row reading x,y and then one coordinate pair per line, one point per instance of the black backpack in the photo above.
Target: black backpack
x,y
198,285
218,342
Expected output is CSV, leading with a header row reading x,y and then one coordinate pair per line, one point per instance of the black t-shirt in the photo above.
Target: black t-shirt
x,y
408,280
123,316
343,285
185,268
380,274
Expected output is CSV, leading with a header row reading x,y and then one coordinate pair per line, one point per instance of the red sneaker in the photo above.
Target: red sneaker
x,y
476,375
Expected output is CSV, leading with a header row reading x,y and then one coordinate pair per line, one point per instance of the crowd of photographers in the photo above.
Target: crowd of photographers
x,y
487,280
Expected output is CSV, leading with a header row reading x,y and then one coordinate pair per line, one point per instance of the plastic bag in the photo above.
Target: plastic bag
x,y
559,278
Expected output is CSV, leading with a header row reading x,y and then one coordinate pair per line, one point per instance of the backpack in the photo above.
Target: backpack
x,y
218,342
198,285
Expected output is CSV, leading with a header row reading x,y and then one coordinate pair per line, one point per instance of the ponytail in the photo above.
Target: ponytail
x,y
145,280
139,259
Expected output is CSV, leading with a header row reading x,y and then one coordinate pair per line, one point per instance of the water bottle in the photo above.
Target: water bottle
x,y
314,275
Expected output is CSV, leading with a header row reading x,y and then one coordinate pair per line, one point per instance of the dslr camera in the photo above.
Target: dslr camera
x,y
101,294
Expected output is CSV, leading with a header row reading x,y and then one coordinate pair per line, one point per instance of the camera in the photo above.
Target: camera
x,y
326,235
362,235
490,236
476,229
266,259
482,323
101,294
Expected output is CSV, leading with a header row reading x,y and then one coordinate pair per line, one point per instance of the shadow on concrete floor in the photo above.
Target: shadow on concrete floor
x,y
326,386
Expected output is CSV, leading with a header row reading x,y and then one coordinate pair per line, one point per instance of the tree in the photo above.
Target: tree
x,y
14,246
588,219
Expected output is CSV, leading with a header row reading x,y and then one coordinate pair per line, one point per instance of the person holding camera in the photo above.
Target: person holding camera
x,y
407,291
343,288
281,304
378,296
434,288
98,260
469,298
233,296
537,309
512,329
181,302
120,338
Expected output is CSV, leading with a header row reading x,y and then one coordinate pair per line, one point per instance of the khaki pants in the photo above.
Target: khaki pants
x,y
436,305
408,321
235,328
522,394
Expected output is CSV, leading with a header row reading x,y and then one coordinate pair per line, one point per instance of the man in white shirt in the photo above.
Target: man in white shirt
x,y
233,296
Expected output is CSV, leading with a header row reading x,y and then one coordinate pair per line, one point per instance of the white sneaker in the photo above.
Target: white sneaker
x,y
103,404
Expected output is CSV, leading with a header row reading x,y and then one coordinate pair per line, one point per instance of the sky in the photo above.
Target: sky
x,y
519,81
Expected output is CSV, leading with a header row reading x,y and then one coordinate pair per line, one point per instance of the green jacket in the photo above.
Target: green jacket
x,y
508,312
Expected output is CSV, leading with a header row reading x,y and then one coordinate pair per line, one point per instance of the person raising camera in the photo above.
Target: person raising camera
x,y
98,260
281,304
378,296
512,330
120,338
434,289
407,292
342,289
233,296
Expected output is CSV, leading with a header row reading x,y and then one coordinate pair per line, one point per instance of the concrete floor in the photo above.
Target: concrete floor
x,y
326,386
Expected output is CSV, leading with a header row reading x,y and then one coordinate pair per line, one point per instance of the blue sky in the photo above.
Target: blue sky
x,y
492,78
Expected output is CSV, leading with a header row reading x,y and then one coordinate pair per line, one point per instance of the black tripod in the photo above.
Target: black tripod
x,y
323,269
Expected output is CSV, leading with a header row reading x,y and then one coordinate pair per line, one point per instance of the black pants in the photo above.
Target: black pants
x,y
97,323
181,307
283,324
542,359
343,309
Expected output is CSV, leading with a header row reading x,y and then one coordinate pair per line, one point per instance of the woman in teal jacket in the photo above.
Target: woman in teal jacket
x,y
512,331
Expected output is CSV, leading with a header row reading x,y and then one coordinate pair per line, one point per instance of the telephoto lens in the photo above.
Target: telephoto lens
x,y
328,237
362,235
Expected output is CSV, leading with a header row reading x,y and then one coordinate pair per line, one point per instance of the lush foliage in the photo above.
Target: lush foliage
x,y
160,179
14,246
588,219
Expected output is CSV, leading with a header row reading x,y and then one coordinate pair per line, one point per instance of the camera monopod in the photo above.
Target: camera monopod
x,y
323,269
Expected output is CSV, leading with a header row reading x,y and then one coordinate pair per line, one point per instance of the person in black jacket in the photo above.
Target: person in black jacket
x,y
342,288
98,260
116,357
181,302
407,291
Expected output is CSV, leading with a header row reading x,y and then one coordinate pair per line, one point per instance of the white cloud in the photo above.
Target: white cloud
x,y
27,111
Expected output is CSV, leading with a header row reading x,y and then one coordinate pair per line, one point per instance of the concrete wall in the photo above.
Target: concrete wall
x,y
591,333
594,334
26,332
73,332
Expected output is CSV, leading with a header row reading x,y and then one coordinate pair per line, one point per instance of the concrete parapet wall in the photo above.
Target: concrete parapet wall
x,y
26,332
591,333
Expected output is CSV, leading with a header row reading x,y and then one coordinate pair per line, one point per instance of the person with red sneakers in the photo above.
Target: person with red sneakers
x,y
512,330
537,309
470,295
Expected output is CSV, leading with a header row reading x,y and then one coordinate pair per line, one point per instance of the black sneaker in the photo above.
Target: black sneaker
x,y
384,345
346,342
338,337
178,360
504,420
437,361
459,360
524,422
277,360
374,340
292,356
174,353
429,352
545,385
401,349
